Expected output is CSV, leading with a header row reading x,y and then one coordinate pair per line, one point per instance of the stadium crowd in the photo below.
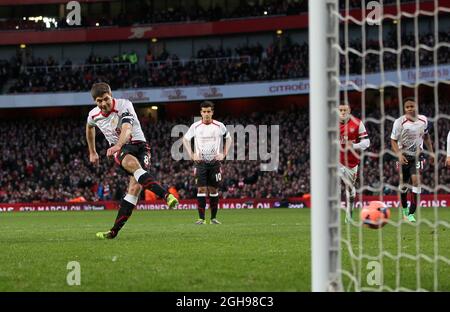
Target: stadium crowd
x,y
279,61
357,4
407,57
48,161
250,63
144,14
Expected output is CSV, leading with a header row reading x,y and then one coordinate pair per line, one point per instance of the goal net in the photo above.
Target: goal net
x,y
383,52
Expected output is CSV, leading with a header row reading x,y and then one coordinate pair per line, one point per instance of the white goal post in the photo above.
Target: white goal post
x,y
325,190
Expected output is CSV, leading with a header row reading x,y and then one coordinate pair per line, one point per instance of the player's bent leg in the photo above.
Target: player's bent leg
x,y
125,210
149,182
127,205
146,180
130,163
214,204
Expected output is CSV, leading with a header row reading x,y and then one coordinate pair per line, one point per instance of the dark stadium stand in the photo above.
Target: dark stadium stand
x,y
47,161
278,61
144,14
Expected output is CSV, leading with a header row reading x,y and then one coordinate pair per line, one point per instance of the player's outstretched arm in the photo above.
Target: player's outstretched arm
x,y
90,138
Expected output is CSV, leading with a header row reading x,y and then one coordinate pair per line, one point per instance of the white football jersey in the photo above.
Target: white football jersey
x,y
207,138
111,124
409,133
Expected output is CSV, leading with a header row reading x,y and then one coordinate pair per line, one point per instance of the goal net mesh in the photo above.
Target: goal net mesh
x,y
390,50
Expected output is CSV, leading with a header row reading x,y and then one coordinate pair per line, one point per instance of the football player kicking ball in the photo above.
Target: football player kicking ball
x,y
118,121
409,133
353,138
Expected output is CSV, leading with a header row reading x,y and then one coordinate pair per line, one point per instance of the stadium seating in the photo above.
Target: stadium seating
x,y
47,160
211,66
147,15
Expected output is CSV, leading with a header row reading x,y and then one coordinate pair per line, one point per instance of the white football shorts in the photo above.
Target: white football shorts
x,y
348,175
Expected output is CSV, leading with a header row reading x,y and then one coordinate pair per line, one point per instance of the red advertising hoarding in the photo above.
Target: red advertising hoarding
x,y
441,201
245,203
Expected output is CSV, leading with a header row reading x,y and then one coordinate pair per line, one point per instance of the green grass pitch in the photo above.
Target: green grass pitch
x,y
253,250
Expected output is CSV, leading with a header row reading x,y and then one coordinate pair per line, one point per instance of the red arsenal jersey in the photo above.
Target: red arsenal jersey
x,y
353,130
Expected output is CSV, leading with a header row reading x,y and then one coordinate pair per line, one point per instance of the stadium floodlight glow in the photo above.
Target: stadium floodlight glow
x,y
47,20
154,107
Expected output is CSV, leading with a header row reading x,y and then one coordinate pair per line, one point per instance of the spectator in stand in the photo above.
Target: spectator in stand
x,y
211,66
170,14
46,160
